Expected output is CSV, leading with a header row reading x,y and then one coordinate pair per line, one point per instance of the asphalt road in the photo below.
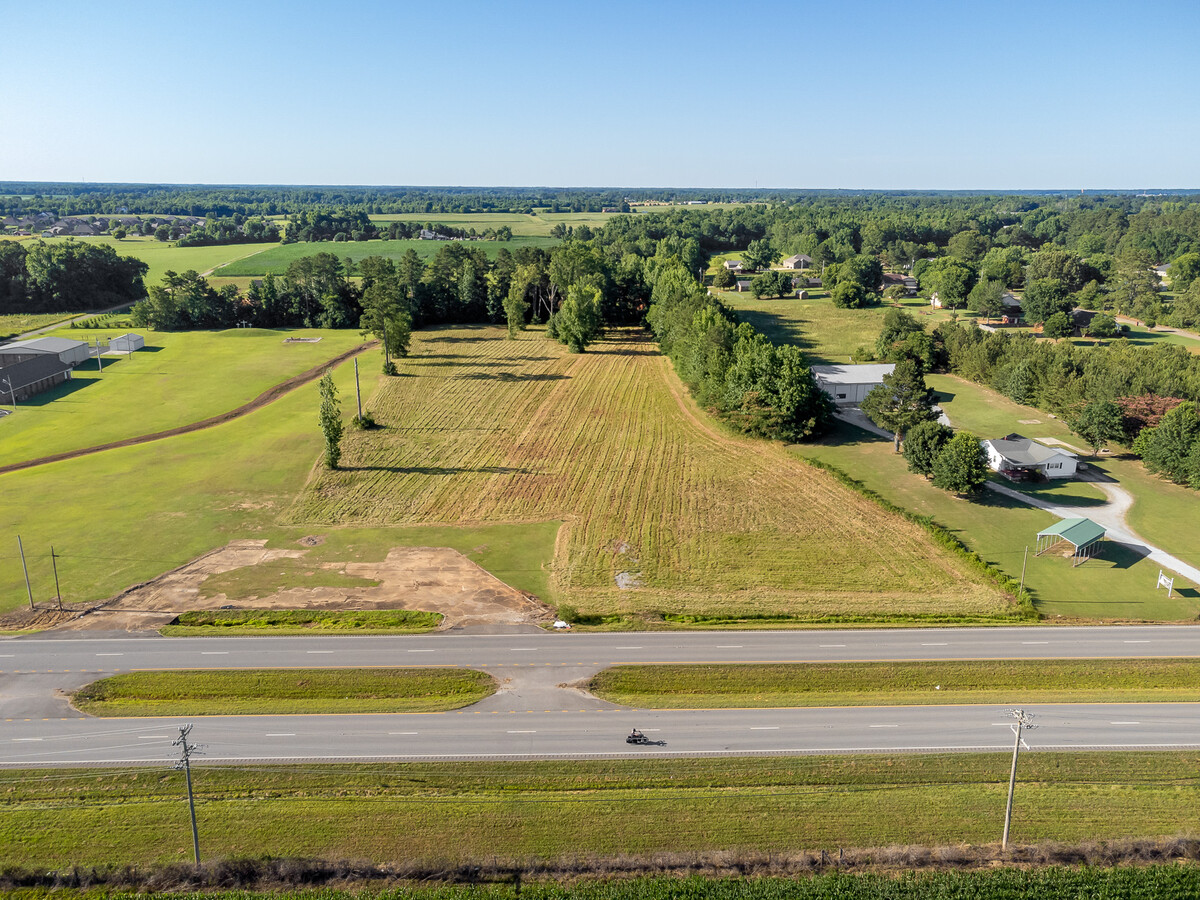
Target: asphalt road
x,y
537,714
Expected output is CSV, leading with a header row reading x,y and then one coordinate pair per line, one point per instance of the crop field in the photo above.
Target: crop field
x,y
512,811
178,378
19,323
663,511
276,259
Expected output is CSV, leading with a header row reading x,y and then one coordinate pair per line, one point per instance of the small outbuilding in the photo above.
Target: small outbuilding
x,y
848,385
742,286
1083,535
1019,458
126,343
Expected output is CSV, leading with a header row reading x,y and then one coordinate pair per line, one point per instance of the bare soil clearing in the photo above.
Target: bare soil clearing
x,y
421,578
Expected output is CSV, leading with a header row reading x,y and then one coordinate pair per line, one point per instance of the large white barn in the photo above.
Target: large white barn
x,y
848,385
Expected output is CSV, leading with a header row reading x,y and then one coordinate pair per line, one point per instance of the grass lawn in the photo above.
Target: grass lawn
x,y
521,224
453,812
940,682
178,378
205,692
276,259
214,622
1117,585
124,516
825,333
664,512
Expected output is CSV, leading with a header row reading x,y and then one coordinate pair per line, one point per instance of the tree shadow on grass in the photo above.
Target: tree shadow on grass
x,y
442,470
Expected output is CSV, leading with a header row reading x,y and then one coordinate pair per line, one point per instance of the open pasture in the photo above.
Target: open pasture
x,y
162,256
275,261
178,378
14,324
663,511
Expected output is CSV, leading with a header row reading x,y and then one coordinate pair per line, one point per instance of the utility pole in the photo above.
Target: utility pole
x,y
54,562
1024,562
185,763
28,589
1024,720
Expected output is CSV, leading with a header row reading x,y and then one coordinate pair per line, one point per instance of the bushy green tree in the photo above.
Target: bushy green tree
x,y
951,279
1103,327
1098,422
1057,326
850,295
922,445
577,322
961,466
724,278
760,255
386,313
901,402
330,418
1167,447
986,298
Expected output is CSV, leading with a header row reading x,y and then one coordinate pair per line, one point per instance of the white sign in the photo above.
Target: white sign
x,y
1164,581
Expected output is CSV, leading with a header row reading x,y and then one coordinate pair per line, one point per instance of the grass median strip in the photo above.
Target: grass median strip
x,y
901,683
205,692
302,621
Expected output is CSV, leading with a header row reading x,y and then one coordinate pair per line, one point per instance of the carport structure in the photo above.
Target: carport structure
x,y
1083,535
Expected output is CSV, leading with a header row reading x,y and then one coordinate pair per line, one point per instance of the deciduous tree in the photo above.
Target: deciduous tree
x,y
961,466
922,445
1098,422
330,417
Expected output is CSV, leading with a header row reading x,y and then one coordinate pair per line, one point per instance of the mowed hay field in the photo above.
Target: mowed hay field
x,y
692,520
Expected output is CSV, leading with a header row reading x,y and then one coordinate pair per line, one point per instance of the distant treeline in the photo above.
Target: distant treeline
x,y
66,276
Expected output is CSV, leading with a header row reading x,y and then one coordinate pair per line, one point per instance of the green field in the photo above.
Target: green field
x,y
664,512
178,378
276,260
13,324
520,811
929,682
162,256
250,692
216,622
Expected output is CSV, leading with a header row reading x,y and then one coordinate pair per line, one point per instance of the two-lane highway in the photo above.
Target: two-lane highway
x,y
535,715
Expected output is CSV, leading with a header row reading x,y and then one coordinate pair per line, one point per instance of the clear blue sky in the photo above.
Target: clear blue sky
x,y
926,94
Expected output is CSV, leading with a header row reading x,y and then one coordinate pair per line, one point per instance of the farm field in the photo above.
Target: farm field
x,y
13,324
178,378
276,260
1004,682
452,812
1117,585
521,224
663,511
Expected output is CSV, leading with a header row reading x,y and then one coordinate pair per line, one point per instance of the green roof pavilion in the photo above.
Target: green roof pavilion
x,y
1083,535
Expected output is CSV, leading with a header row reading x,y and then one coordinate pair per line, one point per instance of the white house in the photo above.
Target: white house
x,y
799,261
1019,458
849,384
733,265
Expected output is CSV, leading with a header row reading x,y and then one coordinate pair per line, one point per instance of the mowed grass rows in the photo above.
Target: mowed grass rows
x,y
482,429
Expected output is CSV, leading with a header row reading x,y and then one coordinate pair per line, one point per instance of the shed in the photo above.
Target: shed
x,y
1083,535
126,343
70,352
742,286
848,385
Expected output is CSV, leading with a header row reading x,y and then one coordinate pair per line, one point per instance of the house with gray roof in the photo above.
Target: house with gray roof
x,y
1019,458
799,261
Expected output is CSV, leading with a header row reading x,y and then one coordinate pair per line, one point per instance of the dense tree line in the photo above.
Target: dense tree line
x,y
66,276
235,229
730,367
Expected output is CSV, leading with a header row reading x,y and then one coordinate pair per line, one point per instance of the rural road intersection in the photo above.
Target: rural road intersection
x,y
537,714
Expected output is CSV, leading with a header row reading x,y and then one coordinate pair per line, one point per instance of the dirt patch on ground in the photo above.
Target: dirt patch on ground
x,y
434,579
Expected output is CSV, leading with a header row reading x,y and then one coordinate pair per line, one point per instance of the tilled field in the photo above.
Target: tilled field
x,y
663,510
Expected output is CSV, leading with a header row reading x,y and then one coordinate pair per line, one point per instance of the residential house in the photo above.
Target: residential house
x,y
1019,458
891,279
733,265
799,261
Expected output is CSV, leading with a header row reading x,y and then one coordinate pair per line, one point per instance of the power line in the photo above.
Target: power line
x,y
1024,720
185,763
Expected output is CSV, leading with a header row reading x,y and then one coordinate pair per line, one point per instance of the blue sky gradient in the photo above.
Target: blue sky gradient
x,y
917,95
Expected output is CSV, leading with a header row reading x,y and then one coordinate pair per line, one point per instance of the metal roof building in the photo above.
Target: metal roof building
x,y
70,352
1083,535
849,384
